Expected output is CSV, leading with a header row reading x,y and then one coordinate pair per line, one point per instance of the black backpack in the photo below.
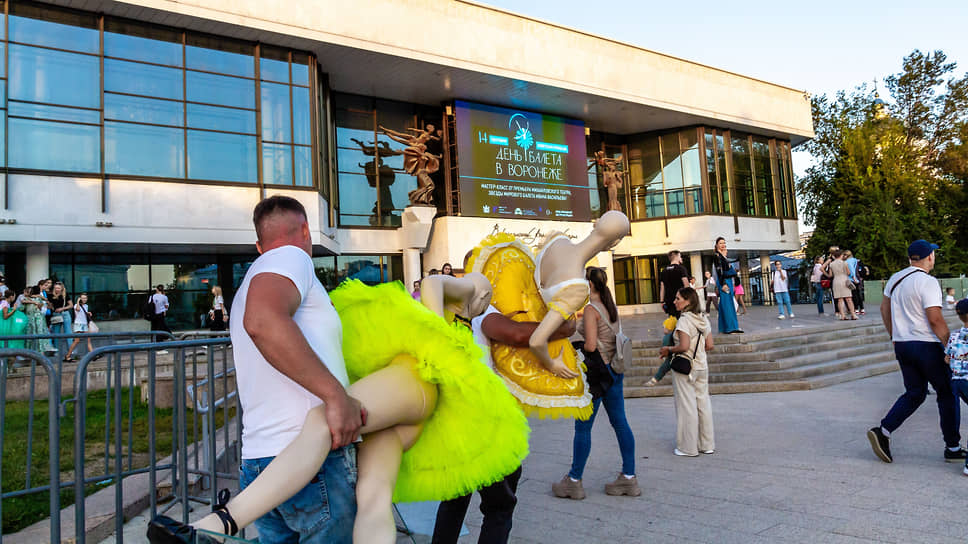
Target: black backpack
x,y
148,310
863,271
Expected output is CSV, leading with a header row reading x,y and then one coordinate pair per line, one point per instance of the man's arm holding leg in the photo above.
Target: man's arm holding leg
x,y
504,330
271,302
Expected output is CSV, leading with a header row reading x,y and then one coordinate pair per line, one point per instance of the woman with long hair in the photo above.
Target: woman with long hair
x,y
842,286
60,321
598,326
694,416
218,315
816,279
34,305
725,277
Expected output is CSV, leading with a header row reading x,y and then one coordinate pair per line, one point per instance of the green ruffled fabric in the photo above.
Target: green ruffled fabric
x,y
477,434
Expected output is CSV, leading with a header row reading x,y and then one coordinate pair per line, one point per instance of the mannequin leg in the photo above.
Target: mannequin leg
x,y
392,395
379,463
539,339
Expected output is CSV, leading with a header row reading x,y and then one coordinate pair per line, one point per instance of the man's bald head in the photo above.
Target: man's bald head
x,y
278,219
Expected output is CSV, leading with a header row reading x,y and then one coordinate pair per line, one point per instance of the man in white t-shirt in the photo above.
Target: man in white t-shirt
x,y
781,289
498,499
911,311
160,302
287,346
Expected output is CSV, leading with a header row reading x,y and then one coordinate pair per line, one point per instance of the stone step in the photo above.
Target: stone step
x,y
784,338
816,382
794,373
789,350
720,368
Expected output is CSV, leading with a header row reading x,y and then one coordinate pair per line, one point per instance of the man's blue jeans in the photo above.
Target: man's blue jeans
x,y
321,512
818,290
922,363
781,299
614,400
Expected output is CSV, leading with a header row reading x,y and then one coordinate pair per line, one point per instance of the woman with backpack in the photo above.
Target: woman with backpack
x,y
599,326
690,381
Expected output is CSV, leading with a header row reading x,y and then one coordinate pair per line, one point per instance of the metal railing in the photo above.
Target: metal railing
x,y
53,436
200,368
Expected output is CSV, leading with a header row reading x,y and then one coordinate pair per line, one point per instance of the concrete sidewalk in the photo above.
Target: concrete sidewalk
x,y
789,467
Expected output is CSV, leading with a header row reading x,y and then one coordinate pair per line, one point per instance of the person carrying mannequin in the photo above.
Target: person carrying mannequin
x,y
419,397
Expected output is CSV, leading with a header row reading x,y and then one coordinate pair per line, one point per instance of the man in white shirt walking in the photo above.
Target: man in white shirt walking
x,y
911,311
160,303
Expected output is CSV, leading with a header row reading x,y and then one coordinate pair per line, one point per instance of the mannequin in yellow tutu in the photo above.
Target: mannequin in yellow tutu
x,y
398,400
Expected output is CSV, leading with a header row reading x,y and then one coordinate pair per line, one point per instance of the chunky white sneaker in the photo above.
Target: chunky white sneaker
x,y
681,453
792,316
780,316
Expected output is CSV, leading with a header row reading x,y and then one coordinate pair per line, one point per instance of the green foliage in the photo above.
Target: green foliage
x,y
887,173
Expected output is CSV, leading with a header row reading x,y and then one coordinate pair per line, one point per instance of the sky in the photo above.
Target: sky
x,y
820,46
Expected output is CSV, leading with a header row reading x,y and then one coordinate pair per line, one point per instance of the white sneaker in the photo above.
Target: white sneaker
x,y
780,316
966,470
162,352
681,453
709,452
792,316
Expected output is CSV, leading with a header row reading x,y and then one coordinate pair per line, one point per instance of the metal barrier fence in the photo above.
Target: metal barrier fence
x,y
189,467
53,437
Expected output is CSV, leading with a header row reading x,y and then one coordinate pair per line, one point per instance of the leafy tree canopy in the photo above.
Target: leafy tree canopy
x,y
890,171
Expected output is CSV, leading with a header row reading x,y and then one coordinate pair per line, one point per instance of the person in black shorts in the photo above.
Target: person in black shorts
x,y
671,279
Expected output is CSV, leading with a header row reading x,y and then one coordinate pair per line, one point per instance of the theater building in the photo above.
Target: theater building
x,y
137,137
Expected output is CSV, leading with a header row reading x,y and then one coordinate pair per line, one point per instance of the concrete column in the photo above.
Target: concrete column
x,y
695,267
38,263
411,267
767,273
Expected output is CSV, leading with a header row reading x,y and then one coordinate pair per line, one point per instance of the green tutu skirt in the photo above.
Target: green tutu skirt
x,y
477,434
15,325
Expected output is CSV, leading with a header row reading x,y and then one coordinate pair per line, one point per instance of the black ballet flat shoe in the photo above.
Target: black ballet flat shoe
x,y
165,530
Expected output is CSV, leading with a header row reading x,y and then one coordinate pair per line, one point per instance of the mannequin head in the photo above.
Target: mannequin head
x,y
609,230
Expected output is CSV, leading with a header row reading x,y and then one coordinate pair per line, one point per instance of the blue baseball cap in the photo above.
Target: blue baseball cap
x,y
920,249
962,307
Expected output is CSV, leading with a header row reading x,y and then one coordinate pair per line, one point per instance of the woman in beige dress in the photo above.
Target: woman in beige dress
x,y
843,299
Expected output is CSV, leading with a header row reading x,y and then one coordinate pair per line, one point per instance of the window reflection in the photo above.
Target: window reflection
x,y
53,77
135,78
142,150
78,146
221,157
55,81
373,186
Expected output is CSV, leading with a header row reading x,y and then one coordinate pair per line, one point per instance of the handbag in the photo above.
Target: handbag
x,y
682,364
850,284
824,283
92,327
57,320
623,345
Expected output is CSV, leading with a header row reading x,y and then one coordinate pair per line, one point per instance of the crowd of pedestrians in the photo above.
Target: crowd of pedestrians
x,y
43,309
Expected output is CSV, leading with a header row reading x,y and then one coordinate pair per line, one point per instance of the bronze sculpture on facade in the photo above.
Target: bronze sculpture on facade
x,y
417,161
613,178
379,176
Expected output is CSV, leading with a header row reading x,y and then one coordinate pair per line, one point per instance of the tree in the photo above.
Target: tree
x,y
887,173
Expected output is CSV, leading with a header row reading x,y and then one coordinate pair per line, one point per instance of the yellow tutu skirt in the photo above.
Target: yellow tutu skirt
x,y
509,265
477,434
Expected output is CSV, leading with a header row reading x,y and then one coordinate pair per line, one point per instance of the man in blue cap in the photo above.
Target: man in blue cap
x,y
911,311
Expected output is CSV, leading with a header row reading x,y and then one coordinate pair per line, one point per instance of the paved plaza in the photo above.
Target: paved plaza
x,y
789,467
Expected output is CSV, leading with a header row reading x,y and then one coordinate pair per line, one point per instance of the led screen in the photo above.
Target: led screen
x,y
521,165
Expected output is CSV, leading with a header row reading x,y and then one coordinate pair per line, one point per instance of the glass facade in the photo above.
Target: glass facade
x,y
120,98
698,171
373,184
370,269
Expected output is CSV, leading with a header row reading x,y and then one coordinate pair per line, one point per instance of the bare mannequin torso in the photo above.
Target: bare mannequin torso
x,y
563,262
